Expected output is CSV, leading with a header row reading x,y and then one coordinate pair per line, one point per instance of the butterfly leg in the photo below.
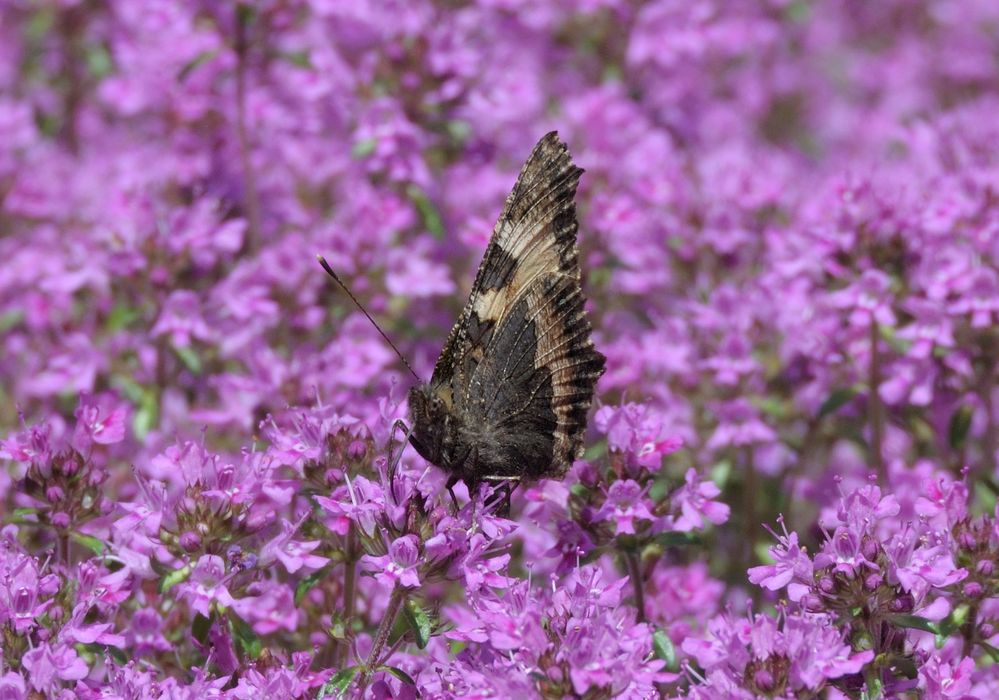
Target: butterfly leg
x,y
509,483
452,480
407,431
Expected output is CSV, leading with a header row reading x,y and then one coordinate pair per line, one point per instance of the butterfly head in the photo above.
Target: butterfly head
x,y
429,410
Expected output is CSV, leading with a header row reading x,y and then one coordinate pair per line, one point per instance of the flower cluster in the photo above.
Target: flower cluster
x,y
789,232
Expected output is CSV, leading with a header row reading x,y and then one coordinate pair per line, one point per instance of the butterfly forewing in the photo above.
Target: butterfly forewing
x,y
518,371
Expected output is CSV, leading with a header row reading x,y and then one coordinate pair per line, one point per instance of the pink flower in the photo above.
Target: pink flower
x,y
947,680
206,585
399,566
624,505
696,504
46,665
792,568
99,421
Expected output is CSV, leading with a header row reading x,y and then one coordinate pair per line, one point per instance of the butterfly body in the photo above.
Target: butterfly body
x,y
510,393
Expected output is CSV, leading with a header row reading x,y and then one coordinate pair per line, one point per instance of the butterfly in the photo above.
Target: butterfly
x,y
510,392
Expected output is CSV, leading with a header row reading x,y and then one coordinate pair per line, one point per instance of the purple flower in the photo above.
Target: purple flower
x,y
792,568
293,554
145,635
636,430
269,608
694,501
399,566
928,567
843,551
206,585
181,320
739,424
624,505
12,686
947,680
47,665
100,424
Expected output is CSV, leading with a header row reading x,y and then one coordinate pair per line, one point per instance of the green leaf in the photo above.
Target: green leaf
x,y
98,651
174,577
245,637
960,424
99,61
835,401
147,414
398,673
914,622
664,649
721,472
194,63
431,217
762,551
309,582
300,59
189,357
363,148
418,621
201,627
771,406
121,317
92,543
9,319
338,684
338,626
991,650
677,539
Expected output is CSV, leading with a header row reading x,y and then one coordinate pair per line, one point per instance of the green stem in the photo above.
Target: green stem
x,y
969,631
252,199
349,594
637,583
990,440
381,636
875,407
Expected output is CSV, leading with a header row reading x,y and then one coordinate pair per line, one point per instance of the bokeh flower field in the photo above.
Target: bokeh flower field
x,y
789,232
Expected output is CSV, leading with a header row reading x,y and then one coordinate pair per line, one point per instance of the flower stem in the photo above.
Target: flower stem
x,y
986,385
749,495
382,635
251,195
969,631
635,574
349,594
875,408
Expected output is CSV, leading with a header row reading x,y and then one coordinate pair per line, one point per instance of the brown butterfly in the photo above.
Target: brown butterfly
x,y
510,392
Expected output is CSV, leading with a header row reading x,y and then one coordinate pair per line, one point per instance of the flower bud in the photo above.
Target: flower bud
x,y
872,581
812,603
827,584
985,567
49,585
60,519
902,604
869,548
357,449
190,541
763,679
54,494
973,589
70,465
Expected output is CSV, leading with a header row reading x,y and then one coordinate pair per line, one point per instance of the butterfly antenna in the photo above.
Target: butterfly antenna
x,y
336,278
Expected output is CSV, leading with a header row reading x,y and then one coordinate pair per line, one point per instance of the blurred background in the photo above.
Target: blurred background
x,y
789,218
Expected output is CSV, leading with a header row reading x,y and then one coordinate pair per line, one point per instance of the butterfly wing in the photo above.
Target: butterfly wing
x,y
520,360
